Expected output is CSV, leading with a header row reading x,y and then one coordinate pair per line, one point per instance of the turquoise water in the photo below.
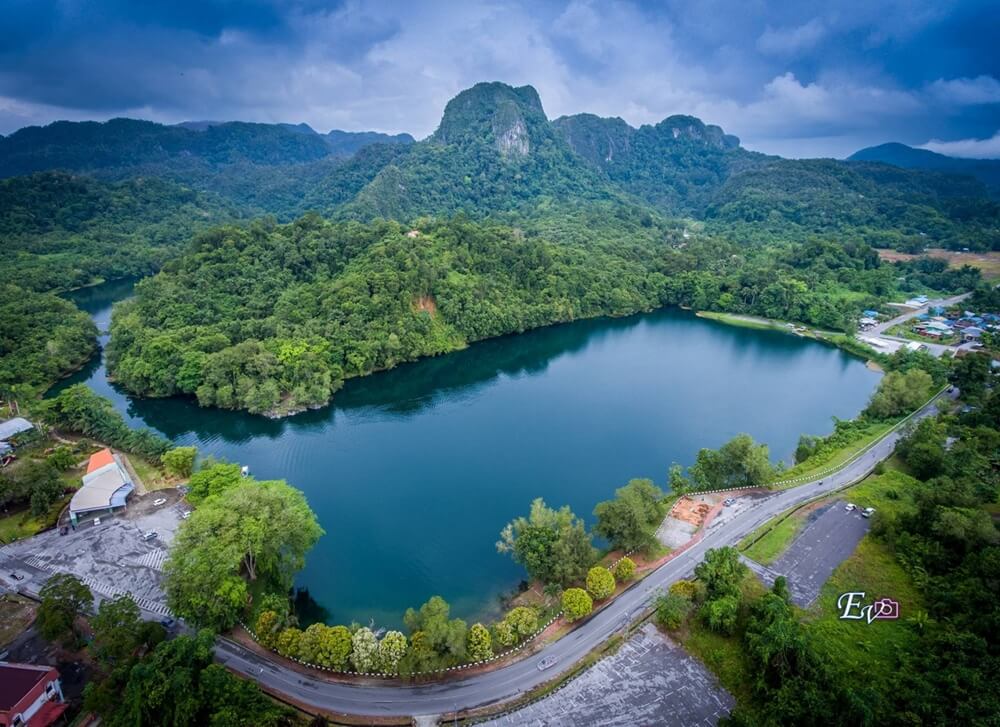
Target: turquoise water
x,y
413,472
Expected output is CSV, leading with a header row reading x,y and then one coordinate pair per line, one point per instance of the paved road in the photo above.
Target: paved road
x,y
380,700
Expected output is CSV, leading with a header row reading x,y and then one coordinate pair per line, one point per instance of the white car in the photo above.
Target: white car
x,y
850,507
868,512
546,662
149,535
186,514
97,521
159,501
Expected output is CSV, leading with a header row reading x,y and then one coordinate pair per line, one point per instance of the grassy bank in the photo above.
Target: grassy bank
x,y
819,464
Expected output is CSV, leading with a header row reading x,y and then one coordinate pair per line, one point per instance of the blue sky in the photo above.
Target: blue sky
x,y
798,79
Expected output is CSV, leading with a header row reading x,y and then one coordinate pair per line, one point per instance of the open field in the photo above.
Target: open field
x,y
987,262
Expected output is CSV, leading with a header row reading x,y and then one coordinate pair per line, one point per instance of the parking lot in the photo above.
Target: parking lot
x,y
827,541
650,680
111,556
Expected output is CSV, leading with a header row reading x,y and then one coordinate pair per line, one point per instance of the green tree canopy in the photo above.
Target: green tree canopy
x,y
552,545
629,521
63,598
740,462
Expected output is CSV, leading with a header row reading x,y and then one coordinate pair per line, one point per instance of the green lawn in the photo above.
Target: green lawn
x,y
775,539
22,524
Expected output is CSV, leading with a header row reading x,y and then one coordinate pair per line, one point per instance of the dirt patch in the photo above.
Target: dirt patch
x,y
690,511
16,614
426,303
987,262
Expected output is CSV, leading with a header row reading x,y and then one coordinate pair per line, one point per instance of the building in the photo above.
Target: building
x,y
16,431
972,333
30,696
106,486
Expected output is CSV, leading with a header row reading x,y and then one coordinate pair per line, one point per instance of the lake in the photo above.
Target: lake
x,y
413,472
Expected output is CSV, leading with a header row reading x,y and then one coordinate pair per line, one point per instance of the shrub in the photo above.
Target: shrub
x,y
504,634
720,614
688,589
364,651
480,645
576,603
600,582
391,649
523,620
624,569
179,461
671,610
287,642
268,628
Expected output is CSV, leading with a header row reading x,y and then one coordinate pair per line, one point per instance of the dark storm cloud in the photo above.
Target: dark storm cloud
x,y
809,78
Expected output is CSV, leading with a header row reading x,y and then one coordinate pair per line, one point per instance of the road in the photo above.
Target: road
x,y
500,685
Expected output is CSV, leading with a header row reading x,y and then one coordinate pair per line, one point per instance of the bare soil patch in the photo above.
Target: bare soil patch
x,y
987,262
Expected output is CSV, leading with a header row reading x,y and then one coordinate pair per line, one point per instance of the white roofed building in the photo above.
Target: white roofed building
x,y
106,486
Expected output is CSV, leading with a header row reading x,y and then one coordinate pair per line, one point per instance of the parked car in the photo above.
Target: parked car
x,y
850,507
728,501
547,661
159,501
17,576
868,512
167,623
149,535
97,521
186,514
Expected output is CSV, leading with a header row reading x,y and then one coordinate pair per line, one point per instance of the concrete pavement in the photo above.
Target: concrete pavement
x,y
385,699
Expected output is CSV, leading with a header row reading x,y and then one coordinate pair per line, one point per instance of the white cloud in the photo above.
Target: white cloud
x,y
966,91
789,41
968,148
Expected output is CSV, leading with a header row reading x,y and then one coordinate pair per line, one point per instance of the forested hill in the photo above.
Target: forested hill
x,y
883,206
677,165
900,155
115,147
494,152
261,168
61,231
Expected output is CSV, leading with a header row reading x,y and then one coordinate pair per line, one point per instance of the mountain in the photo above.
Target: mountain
x,y
675,165
494,151
900,155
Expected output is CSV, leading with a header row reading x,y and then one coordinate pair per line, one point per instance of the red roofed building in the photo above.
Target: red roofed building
x,y
100,459
30,696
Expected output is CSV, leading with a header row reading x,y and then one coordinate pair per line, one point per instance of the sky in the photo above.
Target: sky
x,y
798,79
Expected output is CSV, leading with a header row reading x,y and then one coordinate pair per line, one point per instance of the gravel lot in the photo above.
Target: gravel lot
x,y
111,558
827,541
649,681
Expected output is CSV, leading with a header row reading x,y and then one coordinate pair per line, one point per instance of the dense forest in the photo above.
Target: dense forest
x,y
553,221
62,231
41,338
272,318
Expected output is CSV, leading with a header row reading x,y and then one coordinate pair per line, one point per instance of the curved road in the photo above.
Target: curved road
x,y
500,685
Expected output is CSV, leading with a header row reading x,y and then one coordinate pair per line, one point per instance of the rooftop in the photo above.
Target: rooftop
x,y
13,427
100,459
105,487
16,680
